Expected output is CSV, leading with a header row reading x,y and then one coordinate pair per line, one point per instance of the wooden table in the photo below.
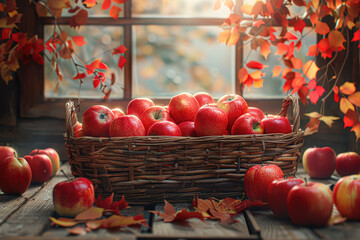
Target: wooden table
x,y
27,217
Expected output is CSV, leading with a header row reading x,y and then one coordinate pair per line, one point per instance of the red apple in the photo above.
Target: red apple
x,y
138,105
154,114
256,112
96,121
310,204
203,98
127,126
15,175
247,124
187,129
258,178
79,133
347,163
277,195
117,112
319,162
41,167
77,126
183,107
6,151
73,196
347,197
234,106
164,128
53,155
210,121
277,124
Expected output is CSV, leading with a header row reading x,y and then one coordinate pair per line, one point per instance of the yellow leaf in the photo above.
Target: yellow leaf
x,y
6,73
224,36
257,74
328,120
355,99
345,105
313,115
258,83
13,13
348,88
91,214
310,69
315,3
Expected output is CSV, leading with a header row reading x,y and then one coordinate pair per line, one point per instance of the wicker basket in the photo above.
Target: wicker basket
x,y
149,169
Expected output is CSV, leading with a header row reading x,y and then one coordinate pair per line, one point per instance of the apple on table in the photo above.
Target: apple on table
x,y
347,163
319,162
15,175
53,155
7,151
41,167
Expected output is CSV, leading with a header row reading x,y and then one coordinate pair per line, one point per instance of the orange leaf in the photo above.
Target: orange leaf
x,y
246,9
264,47
356,130
94,224
276,71
336,39
170,215
310,69
122,1
257,74
80,18
79,40
258,83
350,118
296,62
303,93
256,65
348,88
322,28
312,126
355,99
336,94
242,75
313,50
91,214
312,84
114,12
64,222
106,4
224,36
41,9
345,105
89,3
336,219
56,6
289,36
116,221
229,4
314,18
120,50
79,76
258,23
281,48
78,231
234,37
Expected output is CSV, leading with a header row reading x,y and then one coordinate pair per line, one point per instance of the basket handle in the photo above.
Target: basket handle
x,y
70,118
295,110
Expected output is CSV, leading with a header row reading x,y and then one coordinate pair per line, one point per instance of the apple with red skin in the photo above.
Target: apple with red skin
x,y
53,155
277,195
188,129
319,162
258,178
347,196
310,204
127,126
183,107
347,163
154,114
210,121
203,98
73,196
234,106
247,124
164,128
276,124
117,112
15,175
41,167
77,126
256,112
79,133
6,151
96,121
138,105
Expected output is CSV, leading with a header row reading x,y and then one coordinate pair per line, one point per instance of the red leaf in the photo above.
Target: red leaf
x,y
79,40
322,28
303,93
258,23
289,36
256,65
122,61
120,50
106,203
80,18
312,84
313,50
247,204
79,76
299,24
350,118
242,75
38,58
299,3
320,90
356,36
119,1
298,45
5,33
336,94
281,48
114,12
96,83
106,4
314,97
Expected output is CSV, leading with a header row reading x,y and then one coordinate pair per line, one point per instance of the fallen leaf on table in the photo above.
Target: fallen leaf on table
x,y
336,219
64,222
111,206
78,230
91,214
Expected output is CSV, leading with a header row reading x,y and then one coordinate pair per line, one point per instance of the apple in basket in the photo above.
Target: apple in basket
x,y
126,126
276,124
234,106
73,196
154,114
15,175
203,98
256,112
187,129
310,204
117,112
164,128
210,121
138,105
96,121
183,107
247,124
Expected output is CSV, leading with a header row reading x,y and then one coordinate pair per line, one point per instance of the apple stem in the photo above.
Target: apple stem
x,y
62,171
306,181
37,152
14,154
158,114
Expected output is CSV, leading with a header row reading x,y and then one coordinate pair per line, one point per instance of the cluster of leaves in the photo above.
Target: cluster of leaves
x,y
223,210
255,25
105,214
17,46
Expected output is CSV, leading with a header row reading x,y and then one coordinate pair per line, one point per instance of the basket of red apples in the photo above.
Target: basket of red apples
x,y
193,146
